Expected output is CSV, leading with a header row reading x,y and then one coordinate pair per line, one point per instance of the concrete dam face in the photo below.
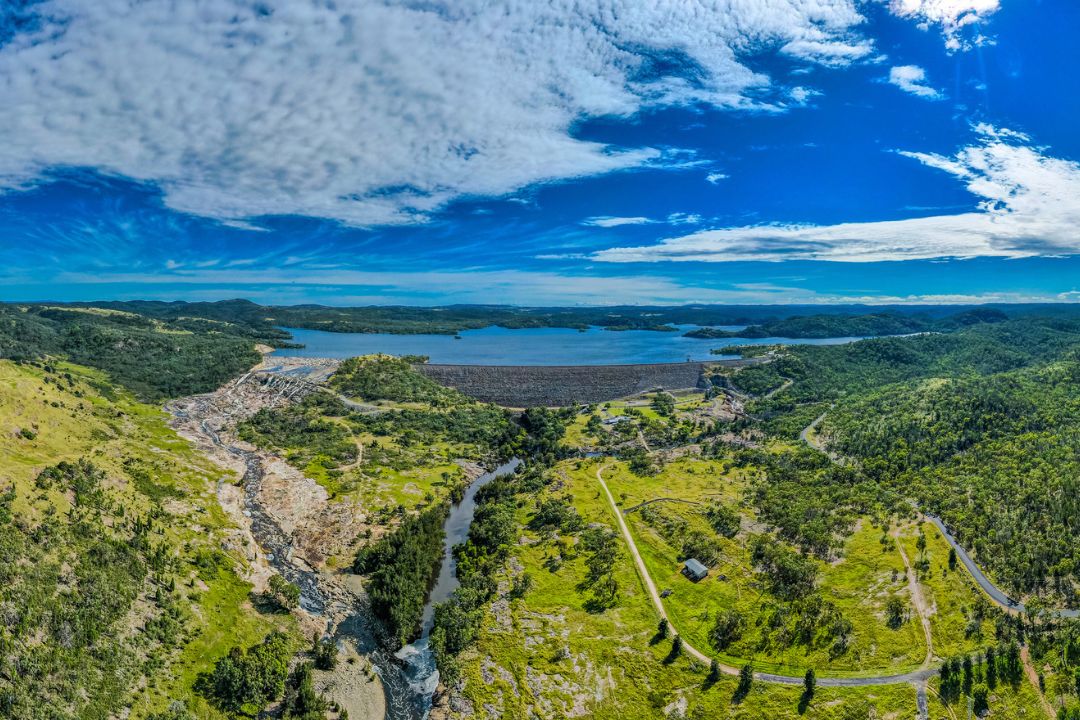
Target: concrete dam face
x,y
545,385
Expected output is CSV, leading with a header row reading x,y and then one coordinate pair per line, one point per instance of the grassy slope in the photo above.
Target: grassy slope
x,y
859,583
107,426
950,595
527,672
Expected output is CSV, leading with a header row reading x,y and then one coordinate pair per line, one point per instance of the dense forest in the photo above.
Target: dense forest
x,y
996,457
263,320
154,359
980,426
876,324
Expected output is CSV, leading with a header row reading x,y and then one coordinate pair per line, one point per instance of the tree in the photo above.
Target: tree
x,y
676,647
285,594
726,629
662,633
301,700
521,585
664,404
979,696
714,671
324,652
746,680
809,682
952,558
895,612
724,520
991,668
251,677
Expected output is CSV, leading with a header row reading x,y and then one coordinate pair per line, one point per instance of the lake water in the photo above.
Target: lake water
x,y
532,346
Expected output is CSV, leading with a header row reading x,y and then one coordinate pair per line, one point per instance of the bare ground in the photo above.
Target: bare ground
x,y
285,523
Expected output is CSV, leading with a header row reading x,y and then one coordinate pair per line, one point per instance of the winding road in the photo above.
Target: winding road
x,y
996,594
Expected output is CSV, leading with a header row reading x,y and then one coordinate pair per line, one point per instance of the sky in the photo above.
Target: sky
x,y
354,152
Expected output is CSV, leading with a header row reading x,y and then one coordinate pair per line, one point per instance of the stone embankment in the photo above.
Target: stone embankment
x,y
549,385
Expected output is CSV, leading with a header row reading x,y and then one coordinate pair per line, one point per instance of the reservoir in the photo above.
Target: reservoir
x,y
533,346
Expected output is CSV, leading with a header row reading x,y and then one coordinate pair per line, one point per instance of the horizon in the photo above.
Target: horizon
x,y
848,152
833,306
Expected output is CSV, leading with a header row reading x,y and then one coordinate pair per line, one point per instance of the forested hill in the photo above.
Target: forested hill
x,y
821,373
776,320
153,358
980,426
875,324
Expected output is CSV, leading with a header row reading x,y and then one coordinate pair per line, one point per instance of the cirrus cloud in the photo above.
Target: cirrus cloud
x,y
1029,206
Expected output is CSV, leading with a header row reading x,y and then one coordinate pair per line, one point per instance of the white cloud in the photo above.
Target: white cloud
x,y
374,112
912,79
1030,205
607,221
956,18
355,287
716,177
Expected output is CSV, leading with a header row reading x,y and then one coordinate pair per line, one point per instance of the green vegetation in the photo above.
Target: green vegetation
x,y
264,320
995,457
833,326
384,377
403,454
121,584
153,359
246,680
401,568
118,594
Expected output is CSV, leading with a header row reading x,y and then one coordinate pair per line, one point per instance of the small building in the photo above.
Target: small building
x,y
694,570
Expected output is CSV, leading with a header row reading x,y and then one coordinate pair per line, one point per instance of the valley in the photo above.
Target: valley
x,y
308,497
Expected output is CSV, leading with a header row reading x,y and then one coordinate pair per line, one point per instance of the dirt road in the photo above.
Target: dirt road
x,y
914,677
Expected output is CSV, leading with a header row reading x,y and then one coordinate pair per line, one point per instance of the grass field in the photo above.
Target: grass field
x,y
859,583
950,594
75,413
548,654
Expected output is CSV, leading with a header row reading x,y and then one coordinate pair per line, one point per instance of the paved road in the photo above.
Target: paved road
x,y
916,676
992,591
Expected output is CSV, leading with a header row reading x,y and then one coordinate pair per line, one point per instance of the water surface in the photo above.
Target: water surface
x,y
417,657
533,346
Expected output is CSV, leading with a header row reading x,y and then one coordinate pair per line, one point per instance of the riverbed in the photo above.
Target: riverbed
x,y
534,346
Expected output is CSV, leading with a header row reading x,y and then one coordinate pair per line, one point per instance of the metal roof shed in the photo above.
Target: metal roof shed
x,y
694,570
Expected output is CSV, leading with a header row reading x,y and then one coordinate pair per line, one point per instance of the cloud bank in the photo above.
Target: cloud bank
x,y
1029,205
373,112
957,19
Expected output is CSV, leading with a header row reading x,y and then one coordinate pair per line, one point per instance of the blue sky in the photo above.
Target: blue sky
x,y
363,152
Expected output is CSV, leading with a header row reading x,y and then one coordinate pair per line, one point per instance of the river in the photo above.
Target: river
x,y
419,663
533,346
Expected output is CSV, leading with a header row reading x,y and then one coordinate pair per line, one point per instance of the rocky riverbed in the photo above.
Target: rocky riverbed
x,y
285,523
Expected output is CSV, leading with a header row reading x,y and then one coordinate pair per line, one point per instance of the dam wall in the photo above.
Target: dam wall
x,y
559,385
